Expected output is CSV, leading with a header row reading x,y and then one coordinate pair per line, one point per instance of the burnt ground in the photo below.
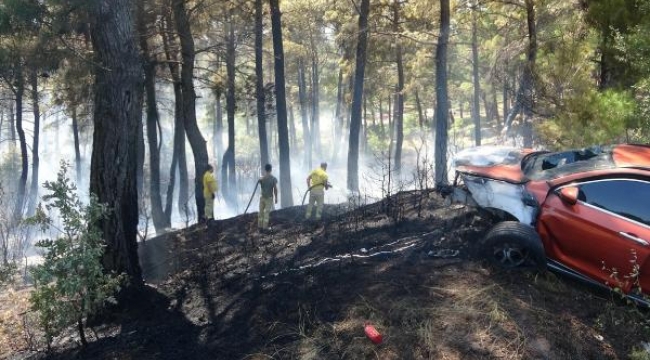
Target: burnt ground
x,y
406,265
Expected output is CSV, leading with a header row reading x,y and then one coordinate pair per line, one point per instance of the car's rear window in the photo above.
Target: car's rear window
x,y
547,166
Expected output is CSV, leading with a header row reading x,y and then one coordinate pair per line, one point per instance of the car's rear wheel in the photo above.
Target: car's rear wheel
x,y
513,245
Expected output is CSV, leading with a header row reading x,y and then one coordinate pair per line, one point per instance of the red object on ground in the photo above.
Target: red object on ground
x,y
373,334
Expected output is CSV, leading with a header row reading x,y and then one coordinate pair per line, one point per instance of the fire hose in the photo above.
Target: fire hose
x,y
327,186
252,196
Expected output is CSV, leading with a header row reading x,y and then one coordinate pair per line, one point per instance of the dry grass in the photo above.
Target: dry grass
x,y
17,323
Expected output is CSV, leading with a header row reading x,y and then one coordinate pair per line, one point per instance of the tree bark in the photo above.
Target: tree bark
x,y
197,142
315,100
357,98
281,106
259,84
77,149
442,101
117,117
524,96
19,92
421,116
476,100
292,128
302,99
160,222
339,117
33,193
179,158
399,103
228,174
217,134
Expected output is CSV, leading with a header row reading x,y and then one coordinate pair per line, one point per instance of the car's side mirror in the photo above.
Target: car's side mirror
x,y
569,195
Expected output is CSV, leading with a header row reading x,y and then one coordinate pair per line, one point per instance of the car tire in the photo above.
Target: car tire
x,y
512,245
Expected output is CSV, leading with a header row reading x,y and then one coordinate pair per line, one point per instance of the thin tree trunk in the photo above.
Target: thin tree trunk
x,y
421,116
218,126
442,107
281,106
117,117
12,121
338,115
357,98
149,67
495,107
315,101
399,105
292,128
476,105
179,160
228,175
302,99
259,84
140,151
381,118
197,142
77,150
22,182
33,193
524,97
391,125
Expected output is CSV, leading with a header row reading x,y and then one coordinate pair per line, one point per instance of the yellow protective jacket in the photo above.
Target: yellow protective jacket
x,y
318,179
209,185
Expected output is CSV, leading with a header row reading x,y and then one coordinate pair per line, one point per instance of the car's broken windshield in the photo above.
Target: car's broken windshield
x,y
545,166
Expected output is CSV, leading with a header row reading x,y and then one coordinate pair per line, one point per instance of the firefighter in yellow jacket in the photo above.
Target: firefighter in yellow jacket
x,y
317,183
209,190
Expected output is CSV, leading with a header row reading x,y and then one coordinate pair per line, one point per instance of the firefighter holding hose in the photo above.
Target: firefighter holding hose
x,y
317,184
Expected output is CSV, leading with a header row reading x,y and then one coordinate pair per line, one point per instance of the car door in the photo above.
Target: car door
x,y
606,231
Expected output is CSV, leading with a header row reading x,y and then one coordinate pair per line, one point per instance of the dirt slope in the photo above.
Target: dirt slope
x,y
305,291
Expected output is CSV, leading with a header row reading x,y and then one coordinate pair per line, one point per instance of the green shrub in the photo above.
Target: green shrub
x,y
70,284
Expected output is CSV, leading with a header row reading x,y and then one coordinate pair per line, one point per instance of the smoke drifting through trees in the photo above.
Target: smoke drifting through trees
x,y
197,61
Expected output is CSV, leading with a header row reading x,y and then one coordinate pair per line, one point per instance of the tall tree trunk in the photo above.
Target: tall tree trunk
x,y
259,84
292,128
33,192
399,104
281,106
442,101
524,96
357,98
315,100
140,151
197,142
19,92
302,99
77,149
421,116
505,99
495,107
12,121
117,117
476,100
381,118
217,129
228,175
179,160
338,115
160,222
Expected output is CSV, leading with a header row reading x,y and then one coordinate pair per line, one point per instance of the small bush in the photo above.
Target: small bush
x,y
71,284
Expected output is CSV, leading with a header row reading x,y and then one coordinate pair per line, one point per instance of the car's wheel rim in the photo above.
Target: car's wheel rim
x,y
510,256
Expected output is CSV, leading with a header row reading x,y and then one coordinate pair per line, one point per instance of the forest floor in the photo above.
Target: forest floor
x,y
305,291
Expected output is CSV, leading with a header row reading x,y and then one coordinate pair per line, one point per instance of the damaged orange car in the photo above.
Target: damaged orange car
x,y
585,213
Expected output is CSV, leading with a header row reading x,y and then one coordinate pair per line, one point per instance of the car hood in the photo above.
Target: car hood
x,y
494,162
